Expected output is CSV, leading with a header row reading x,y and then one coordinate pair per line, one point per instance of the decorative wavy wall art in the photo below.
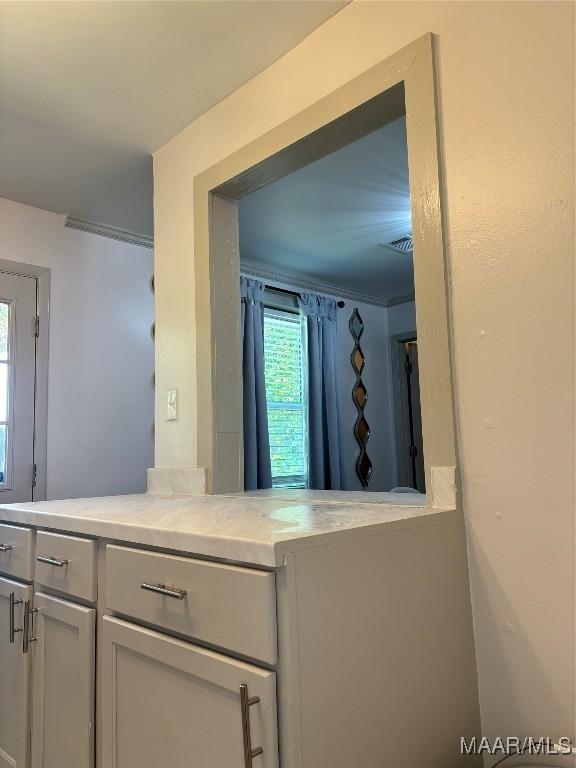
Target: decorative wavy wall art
x,y
360,397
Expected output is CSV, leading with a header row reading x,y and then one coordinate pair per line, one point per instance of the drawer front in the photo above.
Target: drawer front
x,y
224,605
17,552
68,564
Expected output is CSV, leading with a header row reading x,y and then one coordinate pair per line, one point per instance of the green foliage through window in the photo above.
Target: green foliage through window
x,y
283,361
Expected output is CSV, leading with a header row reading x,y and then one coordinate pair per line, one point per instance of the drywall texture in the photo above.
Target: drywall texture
x,y
101,357
506,86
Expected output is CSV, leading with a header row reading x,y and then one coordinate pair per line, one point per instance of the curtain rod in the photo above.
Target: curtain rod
x,y
339,304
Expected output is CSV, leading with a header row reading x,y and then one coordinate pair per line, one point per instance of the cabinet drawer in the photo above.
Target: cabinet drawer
x,y
17,552
223,605
67,563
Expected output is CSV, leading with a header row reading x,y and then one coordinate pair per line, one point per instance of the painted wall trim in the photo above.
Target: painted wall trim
x,y
42,275
114,233
318,286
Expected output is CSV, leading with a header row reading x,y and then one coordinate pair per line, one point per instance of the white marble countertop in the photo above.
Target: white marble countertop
x,y
340,497
246,529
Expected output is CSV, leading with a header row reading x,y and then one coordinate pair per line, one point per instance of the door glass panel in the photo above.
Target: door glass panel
x,y
4,321
3,443
3,392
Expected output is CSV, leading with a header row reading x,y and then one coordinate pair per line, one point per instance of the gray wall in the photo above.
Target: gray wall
x,y
101,357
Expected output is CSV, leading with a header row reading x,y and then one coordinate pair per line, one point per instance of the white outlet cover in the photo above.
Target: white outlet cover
x,y
171,405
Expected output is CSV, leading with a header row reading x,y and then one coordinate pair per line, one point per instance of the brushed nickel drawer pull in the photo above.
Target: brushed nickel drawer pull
x,y
246,702
13,604
6,547
52,561
162,589
26,639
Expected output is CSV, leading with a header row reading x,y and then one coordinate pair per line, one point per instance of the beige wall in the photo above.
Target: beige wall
x,y
505,74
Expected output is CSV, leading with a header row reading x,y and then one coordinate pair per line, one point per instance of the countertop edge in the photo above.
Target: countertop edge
x,y
271,554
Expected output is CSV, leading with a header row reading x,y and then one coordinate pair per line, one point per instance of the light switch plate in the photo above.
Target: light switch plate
x,y
171,405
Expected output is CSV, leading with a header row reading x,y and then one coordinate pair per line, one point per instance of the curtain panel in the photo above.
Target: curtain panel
x,y
257,469
323,428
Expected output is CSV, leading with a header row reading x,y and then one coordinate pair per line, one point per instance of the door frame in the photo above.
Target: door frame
x,y
356,108
40,447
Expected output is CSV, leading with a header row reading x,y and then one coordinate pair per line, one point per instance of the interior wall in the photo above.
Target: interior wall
x,y
101,356
505,93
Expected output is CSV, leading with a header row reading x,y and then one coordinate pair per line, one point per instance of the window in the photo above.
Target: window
x,y
284,371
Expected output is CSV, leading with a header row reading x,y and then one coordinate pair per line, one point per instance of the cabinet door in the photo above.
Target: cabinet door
x,y
14,679
63,684
167,702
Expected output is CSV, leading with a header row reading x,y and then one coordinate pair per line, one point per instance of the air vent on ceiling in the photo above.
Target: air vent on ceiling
x,y
403,244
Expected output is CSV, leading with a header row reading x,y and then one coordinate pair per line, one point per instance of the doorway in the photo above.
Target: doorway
x,y
20,380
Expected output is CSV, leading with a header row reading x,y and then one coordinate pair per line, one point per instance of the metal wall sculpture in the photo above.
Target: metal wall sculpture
x,y
360,397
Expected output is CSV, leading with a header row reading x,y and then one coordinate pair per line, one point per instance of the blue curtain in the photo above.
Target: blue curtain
x,y
323,428
257,471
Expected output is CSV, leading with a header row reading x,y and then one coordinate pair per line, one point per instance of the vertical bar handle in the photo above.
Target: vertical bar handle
x,y
13,604
246,701
26,639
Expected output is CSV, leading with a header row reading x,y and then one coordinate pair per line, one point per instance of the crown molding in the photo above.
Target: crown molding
x,y
318,286
106,231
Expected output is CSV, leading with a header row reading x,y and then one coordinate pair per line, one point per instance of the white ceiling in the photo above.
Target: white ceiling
x,y
89,89
328,223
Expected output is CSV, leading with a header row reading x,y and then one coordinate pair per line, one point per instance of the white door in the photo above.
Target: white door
x,y
166,702
18,309
63,684
14,677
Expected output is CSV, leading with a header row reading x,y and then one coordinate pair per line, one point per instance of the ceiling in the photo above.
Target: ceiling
x,y
89,89
328,224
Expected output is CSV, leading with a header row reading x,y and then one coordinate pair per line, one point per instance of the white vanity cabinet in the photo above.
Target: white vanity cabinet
x,y
235,633
47,650
14,677
169,702
63,647
63,684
